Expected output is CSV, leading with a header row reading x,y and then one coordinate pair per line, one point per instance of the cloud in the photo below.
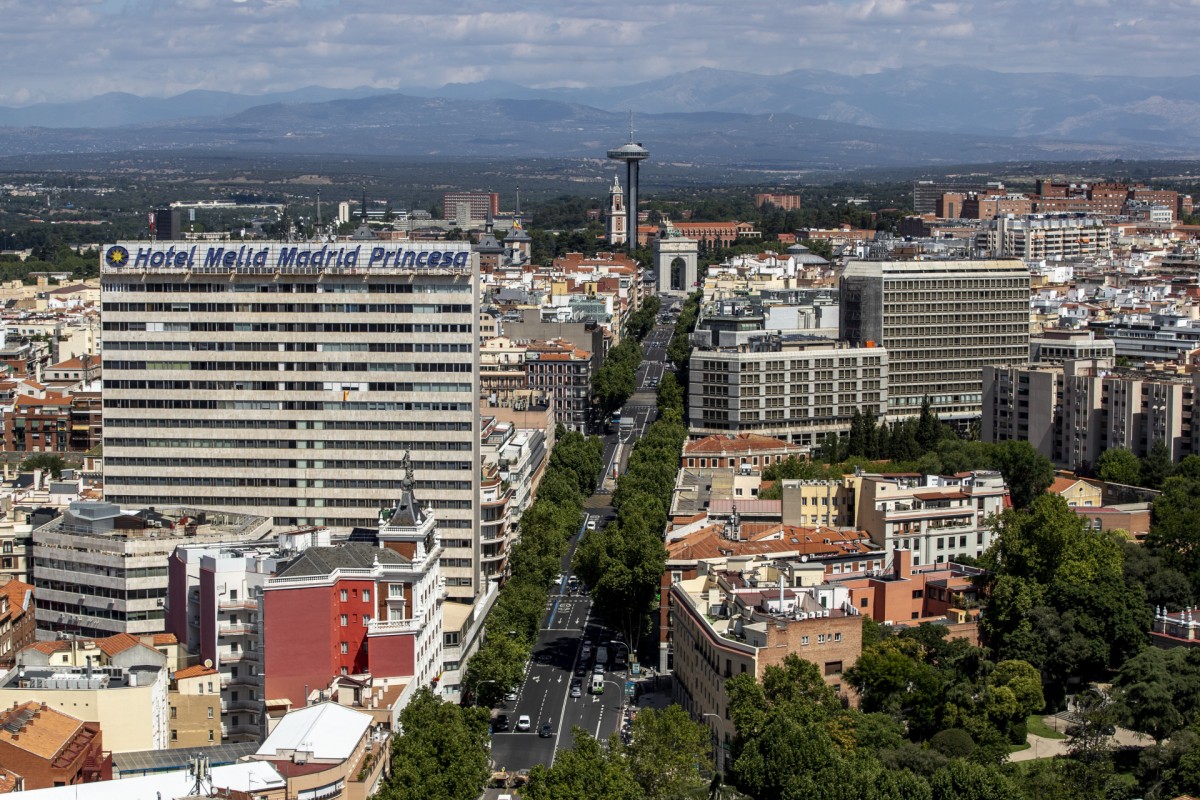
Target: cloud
x,y
161,47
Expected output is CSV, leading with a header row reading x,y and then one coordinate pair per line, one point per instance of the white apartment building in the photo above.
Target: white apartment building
x,y
289,380
937,517
795,388
99,571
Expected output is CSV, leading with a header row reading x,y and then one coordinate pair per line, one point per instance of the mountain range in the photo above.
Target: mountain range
x,y
804,119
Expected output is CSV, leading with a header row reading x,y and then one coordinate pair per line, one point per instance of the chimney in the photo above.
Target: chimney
x,y
902,563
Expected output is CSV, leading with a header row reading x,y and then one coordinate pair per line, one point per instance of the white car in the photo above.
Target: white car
x,y
591,524
523,723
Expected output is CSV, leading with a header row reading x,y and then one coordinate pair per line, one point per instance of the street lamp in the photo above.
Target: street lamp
x,y
715,742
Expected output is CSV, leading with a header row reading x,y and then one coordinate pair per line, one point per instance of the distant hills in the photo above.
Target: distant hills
x,y
801,120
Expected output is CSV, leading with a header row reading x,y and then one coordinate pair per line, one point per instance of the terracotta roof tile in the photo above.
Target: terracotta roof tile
x,y
197,671
44,735
161,639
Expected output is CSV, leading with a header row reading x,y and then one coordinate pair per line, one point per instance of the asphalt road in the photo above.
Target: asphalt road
x,y
545,693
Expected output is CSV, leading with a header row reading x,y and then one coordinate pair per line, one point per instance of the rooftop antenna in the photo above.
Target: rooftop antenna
x,y
364,206
518,212
318,209
631,124
199,769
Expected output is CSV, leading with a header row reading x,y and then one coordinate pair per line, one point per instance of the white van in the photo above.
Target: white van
x,y
597,686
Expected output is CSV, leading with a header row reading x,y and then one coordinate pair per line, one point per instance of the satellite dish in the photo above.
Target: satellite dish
x,y
804,559
208,663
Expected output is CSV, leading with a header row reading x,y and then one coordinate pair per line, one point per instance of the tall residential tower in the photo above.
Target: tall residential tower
x,y
941,322
288,380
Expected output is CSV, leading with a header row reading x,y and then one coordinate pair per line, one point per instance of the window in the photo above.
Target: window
x,y
211,737
345,620
210,714
174,733
820,638
345,648
833,668
803,640
863,603
174,712
366,620
918,594
233,594
345,595
837,637
366,595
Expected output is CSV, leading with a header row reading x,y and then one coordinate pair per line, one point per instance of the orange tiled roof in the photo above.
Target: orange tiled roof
x,y
194,672
708,542
70,363
17,592
117,643
1061,485
8,780
43,736
165,639
718,444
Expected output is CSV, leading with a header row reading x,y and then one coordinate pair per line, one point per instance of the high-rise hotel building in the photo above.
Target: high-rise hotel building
x,y
288,380
941,322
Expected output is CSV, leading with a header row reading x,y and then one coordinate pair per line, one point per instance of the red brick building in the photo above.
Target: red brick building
x,y
17,625
48,748
39,425
730,452
787,202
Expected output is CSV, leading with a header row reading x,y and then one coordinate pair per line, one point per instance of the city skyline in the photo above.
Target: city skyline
x,y
259,46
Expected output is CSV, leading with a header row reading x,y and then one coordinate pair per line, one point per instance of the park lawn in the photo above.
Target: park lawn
x,y
1038,728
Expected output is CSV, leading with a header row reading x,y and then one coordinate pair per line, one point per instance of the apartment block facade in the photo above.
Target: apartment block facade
x,y
794,388
366,609
941,323
1075,411
937,517
289,380
720,626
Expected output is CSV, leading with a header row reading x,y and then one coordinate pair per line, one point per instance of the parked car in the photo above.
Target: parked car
x,y
512,695
576,688
546,731
591,524
523,723
500,723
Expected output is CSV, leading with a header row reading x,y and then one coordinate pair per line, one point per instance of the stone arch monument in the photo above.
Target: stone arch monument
x,y
675,257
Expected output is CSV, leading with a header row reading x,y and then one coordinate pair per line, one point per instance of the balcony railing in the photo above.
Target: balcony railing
x,y
236,605
393,626
237,628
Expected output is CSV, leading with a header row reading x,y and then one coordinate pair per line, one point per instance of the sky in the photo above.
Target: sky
x,y
62,50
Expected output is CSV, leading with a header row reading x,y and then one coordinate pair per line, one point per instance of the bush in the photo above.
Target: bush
x,y
953,743
1018,733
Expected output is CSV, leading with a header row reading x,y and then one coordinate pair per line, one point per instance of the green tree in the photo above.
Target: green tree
x,y
1156,466
46,462
929,427
1117,465
588,770
442,752
667,750
1027,473
495,669
1175,526
962,780
1157,691
1057,595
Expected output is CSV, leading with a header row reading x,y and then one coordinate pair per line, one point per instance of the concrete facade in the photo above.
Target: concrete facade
x,y
941,323
287,380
